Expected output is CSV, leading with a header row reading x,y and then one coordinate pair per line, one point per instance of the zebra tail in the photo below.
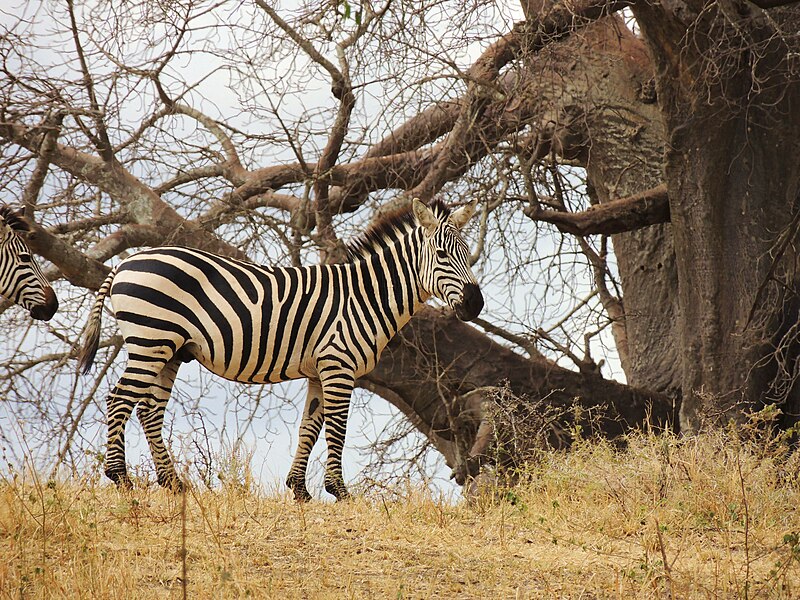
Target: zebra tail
x,y
91,337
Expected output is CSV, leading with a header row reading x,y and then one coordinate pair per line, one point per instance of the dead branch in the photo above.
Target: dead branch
x,y
617,216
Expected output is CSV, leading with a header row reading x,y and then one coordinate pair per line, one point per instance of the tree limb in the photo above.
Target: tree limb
x,y
101,140
142,203
232,169
617,216
34,186
78,268
436,353
525,37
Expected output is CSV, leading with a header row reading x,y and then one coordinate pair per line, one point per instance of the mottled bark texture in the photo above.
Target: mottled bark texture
x,y
730,96
600,97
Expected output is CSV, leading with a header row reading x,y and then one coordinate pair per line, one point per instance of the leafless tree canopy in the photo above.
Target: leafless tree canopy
x,y
636,166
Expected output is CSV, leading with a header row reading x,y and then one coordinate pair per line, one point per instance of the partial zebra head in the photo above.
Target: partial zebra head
x,y
446,272
21,278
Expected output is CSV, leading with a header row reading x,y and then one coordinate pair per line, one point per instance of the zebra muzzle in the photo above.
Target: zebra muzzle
x,y
471,303
46,310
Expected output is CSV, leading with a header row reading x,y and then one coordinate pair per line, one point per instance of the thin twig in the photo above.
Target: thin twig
x,y
667,568
746,528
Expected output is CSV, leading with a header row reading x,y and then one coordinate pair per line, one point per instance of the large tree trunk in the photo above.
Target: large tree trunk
x,y
626,138
733,167
619,138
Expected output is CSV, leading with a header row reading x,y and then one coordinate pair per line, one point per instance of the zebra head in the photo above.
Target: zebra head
x,y
21,278
445,271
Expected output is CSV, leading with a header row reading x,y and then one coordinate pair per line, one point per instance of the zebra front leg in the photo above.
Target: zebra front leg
x,y
338,389
313,417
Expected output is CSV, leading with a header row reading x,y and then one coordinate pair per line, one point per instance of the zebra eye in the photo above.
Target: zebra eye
x,y
26,258
441,254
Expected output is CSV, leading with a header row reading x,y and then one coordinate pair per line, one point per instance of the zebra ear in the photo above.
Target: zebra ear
x,y
462,216
425,216
12,220
5,228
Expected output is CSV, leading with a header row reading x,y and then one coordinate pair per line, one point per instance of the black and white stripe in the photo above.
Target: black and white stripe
x,y
21,277
258,324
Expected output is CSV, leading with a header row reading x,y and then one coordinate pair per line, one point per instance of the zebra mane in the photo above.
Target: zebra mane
x,y
15,220
389,228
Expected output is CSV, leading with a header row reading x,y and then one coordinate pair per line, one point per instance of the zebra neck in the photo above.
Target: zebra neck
x,y
392,274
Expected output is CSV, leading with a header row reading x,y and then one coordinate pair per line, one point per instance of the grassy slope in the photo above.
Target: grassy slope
x,y
594,523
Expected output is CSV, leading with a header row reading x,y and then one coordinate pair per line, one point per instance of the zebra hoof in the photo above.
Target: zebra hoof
x,y
299,489
302,496
337,488
120,478
172,483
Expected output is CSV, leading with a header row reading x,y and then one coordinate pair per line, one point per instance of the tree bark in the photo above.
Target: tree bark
x,y
730,105
437,359
606,117
615,216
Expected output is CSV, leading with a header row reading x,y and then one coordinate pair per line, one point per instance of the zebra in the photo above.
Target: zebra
x,y
21,277
327,323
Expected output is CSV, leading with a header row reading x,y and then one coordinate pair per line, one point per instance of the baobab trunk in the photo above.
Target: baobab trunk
x,y
619,138
732,170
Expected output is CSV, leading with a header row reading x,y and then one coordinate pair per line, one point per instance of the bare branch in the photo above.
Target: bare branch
x,y
144,206
189,177
101,141
34,186
232,169
625,214
220,212
305,45
75,266
524,342
525,37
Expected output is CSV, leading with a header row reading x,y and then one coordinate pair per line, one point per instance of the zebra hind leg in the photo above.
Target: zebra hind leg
x,y
313,417
151,416
120,403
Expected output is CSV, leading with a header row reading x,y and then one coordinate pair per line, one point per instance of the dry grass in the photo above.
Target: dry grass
x,y
710,517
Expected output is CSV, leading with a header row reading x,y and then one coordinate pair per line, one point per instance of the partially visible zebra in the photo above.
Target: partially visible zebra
x,y
258,324
21,278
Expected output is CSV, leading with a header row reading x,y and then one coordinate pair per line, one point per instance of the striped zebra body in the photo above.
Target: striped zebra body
x,y
257,324
21,278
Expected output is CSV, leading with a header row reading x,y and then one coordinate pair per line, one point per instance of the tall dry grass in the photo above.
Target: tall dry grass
x,y
714,516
